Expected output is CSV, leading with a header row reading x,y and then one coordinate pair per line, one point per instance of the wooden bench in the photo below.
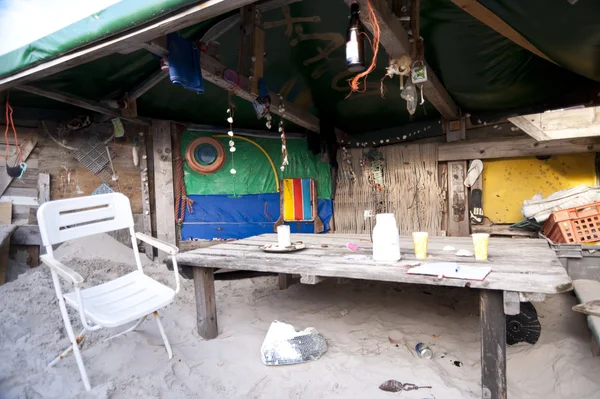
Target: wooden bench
x,y
588,294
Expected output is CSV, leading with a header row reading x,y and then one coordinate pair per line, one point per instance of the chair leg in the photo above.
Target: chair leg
x,y
135,326
67,352
75,344
164,336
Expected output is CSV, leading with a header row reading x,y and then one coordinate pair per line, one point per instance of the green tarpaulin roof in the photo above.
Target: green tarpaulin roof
x,y
482,70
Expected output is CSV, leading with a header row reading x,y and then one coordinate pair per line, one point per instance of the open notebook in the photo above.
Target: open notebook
x,y
452,270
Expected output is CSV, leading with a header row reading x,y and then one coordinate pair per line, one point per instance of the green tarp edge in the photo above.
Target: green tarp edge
x,y
116,18
254,173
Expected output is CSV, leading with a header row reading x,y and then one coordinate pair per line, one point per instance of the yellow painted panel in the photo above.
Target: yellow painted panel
x,y
508,182
288,199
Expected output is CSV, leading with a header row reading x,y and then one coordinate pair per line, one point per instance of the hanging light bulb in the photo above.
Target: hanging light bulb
x,y
355,41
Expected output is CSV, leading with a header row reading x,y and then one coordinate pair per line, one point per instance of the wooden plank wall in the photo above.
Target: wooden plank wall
x,y
69,178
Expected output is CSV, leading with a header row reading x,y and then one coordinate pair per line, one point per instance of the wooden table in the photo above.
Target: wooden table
x,y
522,269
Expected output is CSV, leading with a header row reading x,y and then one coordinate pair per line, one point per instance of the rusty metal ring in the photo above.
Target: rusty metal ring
x,y
193,163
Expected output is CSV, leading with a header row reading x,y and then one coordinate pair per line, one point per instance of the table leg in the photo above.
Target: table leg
x,y
493,344
285,281
206,306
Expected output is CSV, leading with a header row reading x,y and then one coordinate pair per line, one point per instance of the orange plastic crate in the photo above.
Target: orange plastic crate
x,y
574,225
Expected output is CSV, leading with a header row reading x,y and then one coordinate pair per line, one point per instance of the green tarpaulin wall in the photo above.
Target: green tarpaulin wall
x,y
254,174
482,70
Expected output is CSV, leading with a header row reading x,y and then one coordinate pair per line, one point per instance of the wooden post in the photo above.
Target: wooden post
x,y
493,344
43,197
252,46
285,281
206,305
163,184
146,214
5,232
456,130
458,204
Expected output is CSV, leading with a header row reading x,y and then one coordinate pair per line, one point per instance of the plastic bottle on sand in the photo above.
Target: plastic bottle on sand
x,y
386,239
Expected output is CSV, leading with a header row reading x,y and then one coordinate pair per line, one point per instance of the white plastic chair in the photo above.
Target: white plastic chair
x,y
112,304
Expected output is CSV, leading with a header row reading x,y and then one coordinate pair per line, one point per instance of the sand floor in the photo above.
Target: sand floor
x,y
357,319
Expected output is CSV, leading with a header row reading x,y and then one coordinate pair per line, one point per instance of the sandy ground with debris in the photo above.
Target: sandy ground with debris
x,y
358,319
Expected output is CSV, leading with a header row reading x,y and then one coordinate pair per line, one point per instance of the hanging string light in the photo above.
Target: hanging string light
x,y
284,152
230,134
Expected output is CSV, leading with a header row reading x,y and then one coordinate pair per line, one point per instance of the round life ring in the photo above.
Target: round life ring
x,y
205,155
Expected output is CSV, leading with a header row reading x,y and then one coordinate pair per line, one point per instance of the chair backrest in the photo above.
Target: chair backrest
x,y
73,218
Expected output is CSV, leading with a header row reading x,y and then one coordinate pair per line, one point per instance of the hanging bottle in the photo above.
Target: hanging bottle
x,y
355,41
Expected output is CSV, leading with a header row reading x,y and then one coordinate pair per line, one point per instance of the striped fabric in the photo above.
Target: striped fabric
x,y
297,200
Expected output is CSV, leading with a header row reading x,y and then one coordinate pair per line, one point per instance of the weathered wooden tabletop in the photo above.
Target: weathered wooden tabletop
x,y
521,265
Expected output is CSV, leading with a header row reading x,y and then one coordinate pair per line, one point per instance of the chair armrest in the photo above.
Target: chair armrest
x,y
64,271
163,246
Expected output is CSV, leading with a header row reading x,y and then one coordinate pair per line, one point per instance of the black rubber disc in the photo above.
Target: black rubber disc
x,y
524,327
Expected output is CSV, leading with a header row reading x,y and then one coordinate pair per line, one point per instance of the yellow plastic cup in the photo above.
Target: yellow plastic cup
x,y
480,245
420,239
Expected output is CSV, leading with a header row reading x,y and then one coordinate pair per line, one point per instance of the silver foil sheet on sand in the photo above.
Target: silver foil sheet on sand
x,y
284,345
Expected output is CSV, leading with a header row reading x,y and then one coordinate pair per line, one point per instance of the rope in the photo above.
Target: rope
x,y
10,122
182,202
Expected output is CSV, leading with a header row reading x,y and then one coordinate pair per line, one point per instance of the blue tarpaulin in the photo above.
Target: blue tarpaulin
x,y
223,216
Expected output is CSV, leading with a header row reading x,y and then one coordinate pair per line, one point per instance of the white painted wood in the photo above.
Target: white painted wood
x,y
512,147
19,200
560,124
311,280
520,265
512,303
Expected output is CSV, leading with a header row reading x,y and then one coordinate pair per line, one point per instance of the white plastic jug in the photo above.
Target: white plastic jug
x,y
386,239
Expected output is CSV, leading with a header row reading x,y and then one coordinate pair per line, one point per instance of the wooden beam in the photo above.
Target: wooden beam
x,y
502,230
252,47
169,23
222,27
395,40
246,46
157,46
212,71
79,102
513,147
147,84
560,124
258,67
485,16
163,183
146,211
